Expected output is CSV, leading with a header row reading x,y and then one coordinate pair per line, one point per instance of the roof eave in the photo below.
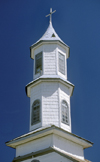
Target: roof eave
x,y
41,42
41,79
46,131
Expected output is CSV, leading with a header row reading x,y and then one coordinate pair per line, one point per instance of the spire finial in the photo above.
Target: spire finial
x,y
50,14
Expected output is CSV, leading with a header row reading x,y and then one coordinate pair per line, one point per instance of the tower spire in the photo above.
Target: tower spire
x,y
50,14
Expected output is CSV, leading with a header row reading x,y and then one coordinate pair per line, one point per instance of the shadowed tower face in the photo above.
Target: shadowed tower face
x,y
50,90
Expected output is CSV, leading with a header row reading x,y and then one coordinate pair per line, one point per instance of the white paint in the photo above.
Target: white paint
x,y
35,145
51,157
50,95
65,95
66,146
57,142
35,94
62,51
48,35
50,103
50,60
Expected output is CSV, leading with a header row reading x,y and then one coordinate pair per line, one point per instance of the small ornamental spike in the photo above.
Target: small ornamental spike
x,y
50,14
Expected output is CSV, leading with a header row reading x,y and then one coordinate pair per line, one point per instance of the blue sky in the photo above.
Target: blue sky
x,y
22,23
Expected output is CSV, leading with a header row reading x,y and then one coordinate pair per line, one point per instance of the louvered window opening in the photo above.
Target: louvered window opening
x,y
61,63
35,112
65,112
38,63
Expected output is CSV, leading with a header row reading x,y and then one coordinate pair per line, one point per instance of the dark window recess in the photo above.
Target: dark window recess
x,y
38,63
35,117
65,112
35,160
53,35
61,63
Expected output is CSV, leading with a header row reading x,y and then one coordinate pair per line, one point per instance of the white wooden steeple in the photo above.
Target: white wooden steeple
x,y
49,138
50,90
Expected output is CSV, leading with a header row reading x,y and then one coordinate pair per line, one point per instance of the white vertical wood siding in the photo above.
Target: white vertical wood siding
x,y
50,103
49,59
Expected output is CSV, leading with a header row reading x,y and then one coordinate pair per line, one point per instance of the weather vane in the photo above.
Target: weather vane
x,y
50,14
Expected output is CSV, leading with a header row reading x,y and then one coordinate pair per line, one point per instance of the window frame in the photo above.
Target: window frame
x,y
59,60
64,109
36,70
36,112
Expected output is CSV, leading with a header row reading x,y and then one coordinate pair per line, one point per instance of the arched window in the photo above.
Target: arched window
x,y
35,116
35,160
65,112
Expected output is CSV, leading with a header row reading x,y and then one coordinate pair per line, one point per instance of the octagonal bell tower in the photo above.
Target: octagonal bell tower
x,y
50,137
50,90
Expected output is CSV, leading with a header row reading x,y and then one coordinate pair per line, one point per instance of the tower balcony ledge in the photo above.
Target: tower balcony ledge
x,y
45,131
49,78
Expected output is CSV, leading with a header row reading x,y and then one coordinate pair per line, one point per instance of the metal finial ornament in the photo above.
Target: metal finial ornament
x,y
50,14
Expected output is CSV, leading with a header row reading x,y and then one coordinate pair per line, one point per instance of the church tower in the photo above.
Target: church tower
x,y
50,91
49,138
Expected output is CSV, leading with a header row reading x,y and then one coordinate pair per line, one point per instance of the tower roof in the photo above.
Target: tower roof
x,y
50,35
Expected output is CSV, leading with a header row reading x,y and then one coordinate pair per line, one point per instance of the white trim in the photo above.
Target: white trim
x,y
57,61
59,73
41,110
55,78
49,42
59,105
43,60
44,131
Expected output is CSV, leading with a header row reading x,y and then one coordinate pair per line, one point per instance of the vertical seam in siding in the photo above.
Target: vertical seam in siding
x,y
59,109
43,53
42,108
30,115
57,61
70,114
65,66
